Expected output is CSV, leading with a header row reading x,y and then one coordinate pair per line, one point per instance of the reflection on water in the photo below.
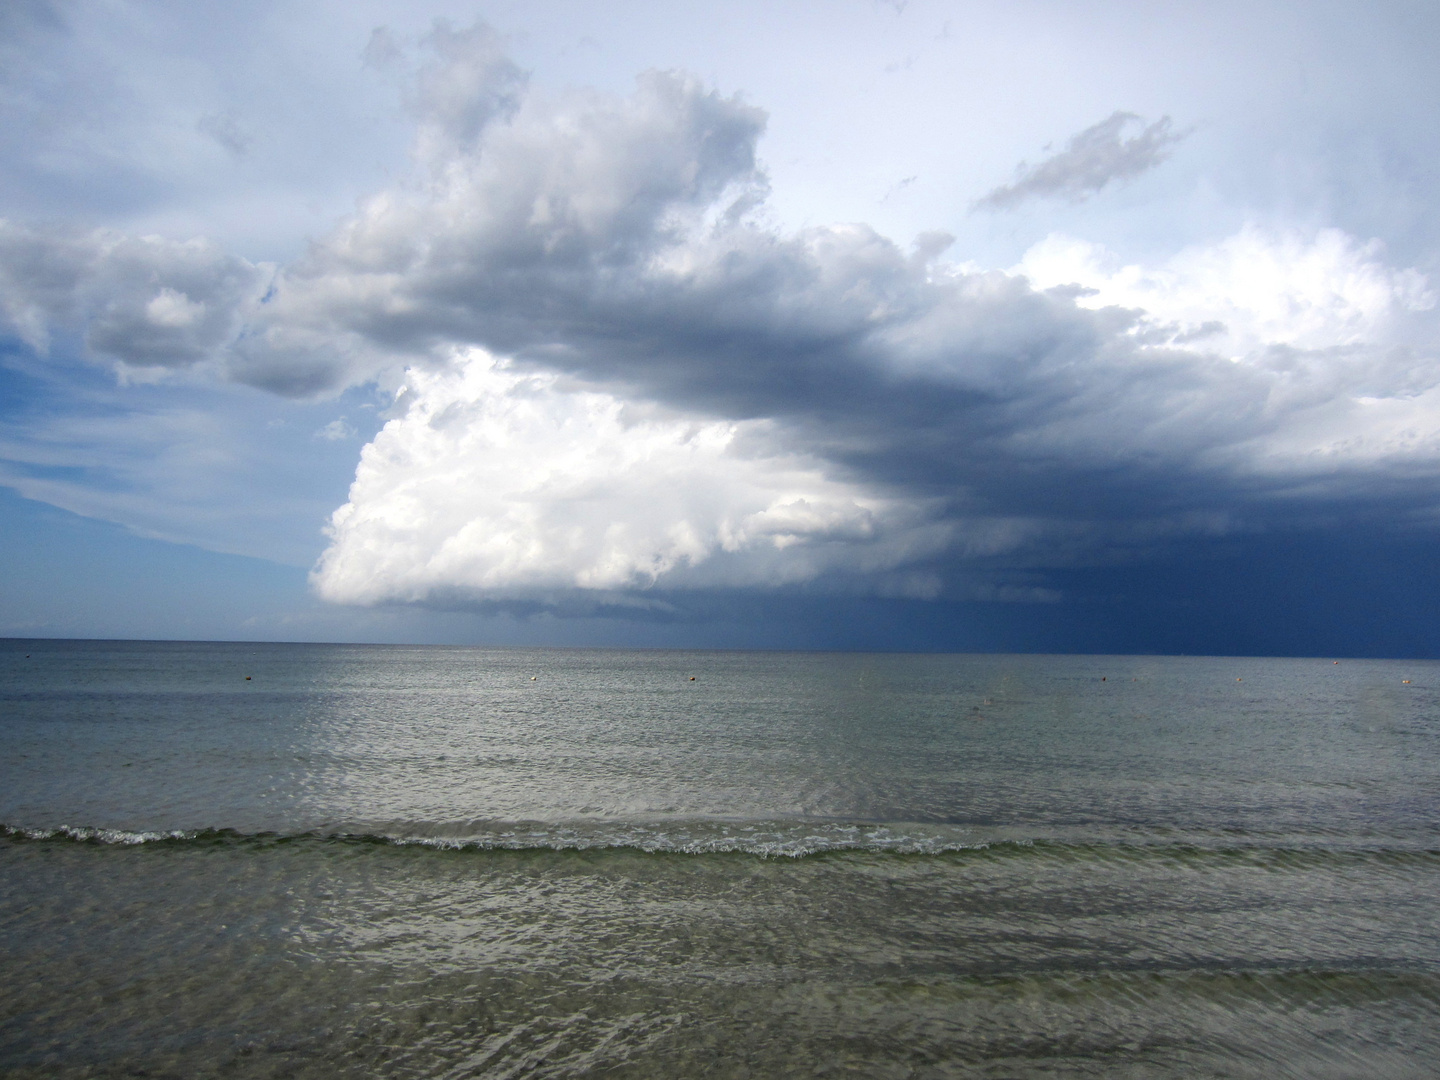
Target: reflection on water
x,y
407,740
465,862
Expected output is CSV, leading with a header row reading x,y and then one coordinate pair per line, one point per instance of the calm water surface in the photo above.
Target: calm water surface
x,y
390,861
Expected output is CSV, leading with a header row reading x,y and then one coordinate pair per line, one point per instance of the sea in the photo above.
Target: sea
x,y
290,860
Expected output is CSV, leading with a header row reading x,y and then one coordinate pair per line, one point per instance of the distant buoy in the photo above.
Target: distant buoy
x,y
1102,678
1239,680
1335,661
692,678
532,678
1406,681
247,678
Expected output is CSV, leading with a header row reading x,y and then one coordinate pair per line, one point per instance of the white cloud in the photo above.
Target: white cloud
x,y
173,310
497,483
1248,292
1332,341
336,431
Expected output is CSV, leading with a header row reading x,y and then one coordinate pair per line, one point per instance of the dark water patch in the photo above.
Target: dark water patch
x,y
257,956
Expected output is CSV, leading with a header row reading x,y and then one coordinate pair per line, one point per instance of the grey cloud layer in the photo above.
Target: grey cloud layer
x,y
145,301
1091,160
621,244
610,240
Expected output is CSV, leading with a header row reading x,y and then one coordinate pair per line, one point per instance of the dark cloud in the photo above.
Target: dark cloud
x,y
1090,161
145,301
897,420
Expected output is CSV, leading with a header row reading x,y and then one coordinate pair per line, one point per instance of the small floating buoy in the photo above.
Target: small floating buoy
x,y
532,678
1405,681
247,678
692,678
1239,680
1335,661
1102,678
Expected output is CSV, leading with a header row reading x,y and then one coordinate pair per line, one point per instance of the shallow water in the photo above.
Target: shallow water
x,y
423,862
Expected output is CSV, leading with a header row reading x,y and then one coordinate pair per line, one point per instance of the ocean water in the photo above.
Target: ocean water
x,y
239,860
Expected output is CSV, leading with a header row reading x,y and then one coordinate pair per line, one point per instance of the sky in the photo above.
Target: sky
x,y
1023,326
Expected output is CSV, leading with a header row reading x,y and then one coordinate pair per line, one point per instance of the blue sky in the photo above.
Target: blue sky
x,y
1030,326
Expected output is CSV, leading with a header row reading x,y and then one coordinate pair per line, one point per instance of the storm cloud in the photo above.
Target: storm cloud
x,y
616,377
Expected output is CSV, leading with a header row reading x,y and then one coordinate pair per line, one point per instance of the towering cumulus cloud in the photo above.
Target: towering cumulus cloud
x,y
617,379
500,485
